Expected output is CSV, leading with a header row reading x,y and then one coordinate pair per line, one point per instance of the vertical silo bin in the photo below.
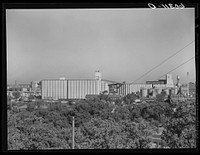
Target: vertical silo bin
x,y
159,90
144,92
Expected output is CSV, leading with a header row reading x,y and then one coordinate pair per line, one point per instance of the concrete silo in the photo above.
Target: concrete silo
x,y
144,92
154,92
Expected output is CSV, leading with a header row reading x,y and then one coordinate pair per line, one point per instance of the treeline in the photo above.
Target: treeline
x,y
100,124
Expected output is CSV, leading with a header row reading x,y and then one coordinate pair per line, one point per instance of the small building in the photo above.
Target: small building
x,y
25,87
19,87
156,82
114,87
27,93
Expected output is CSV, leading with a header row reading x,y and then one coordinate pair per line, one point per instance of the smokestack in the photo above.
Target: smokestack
x,y
178,79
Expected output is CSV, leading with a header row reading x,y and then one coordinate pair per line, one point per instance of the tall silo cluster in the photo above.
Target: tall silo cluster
x,y
72,88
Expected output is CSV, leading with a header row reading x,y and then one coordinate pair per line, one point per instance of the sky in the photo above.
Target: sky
x,y
123,44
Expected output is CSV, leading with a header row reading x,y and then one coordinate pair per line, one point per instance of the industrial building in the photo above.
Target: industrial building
x,y
167,81
73,88
192,89
19,87
151,88
25,90
78,88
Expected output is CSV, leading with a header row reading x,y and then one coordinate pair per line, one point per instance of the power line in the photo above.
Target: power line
x,y
177,67
163,62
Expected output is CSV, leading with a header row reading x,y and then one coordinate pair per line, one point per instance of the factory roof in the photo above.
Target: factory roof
x,y
65,79
81,80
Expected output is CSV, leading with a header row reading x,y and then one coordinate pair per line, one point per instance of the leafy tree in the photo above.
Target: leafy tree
x,y
101,134
119,102
9,98
109,134
121,113
102,125
180,126
9,105
135,113
161,97
41,113
104,97
31,97
31,107
27,131
137,133
95,108
55,106
16,94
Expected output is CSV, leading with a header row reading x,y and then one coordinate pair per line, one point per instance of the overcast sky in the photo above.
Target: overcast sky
x,y
122,43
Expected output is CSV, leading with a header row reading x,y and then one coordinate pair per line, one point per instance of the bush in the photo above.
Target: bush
x,y
30,107
31,97
160,97
130,98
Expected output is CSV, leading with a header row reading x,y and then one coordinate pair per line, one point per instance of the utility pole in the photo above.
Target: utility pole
x,y
188,83
11,107
73,132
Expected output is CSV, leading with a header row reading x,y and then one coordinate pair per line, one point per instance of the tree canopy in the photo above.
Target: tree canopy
x,y
100,124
